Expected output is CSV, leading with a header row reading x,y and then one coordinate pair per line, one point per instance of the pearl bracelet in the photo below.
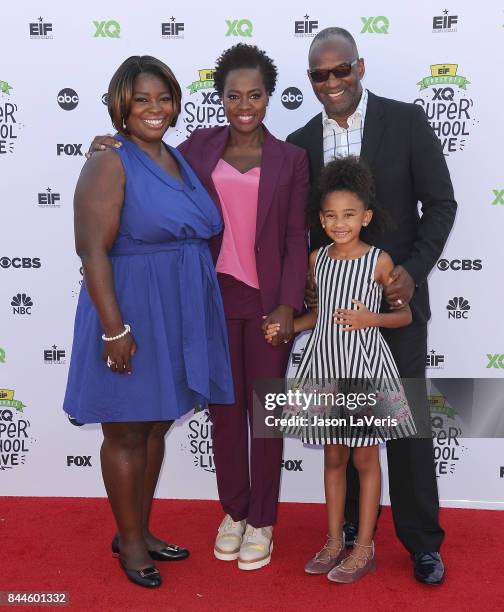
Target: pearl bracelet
x,y
127,330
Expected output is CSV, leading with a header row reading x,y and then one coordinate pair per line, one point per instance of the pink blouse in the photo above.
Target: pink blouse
x,y
238,194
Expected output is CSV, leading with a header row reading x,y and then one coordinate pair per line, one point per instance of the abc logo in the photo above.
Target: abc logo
x,y
68,99
104,99
292,98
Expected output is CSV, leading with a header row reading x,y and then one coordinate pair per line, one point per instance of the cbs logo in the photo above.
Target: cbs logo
x,y
459,264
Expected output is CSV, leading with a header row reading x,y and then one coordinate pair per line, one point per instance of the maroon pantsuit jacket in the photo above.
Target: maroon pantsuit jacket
x,y
281,238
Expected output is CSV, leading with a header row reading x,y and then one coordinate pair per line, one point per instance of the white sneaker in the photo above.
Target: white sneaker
x,y
229,539
256,548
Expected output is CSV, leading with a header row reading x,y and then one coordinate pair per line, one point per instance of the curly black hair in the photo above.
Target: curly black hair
x,y
353,175
348,174
245,56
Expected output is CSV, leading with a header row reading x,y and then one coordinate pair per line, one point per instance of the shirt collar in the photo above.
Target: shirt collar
x,y
359,112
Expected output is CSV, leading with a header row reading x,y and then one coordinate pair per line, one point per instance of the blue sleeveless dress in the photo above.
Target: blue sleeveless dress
x,y
167,291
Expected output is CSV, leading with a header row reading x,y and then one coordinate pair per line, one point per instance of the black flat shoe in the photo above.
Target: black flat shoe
x,y
428,567
171,552
350,530
148,577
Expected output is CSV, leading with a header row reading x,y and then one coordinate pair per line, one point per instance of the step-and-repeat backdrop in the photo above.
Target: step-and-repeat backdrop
x,y
57,60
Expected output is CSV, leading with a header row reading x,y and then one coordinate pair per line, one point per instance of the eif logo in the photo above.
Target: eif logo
x,y
444,22
68,149
292,98
54,355
48,199
499,196
41,30
68,99
239,27
434,361
172,29
458,308
107,29
495,361
79,460
21,304
375,25
307,27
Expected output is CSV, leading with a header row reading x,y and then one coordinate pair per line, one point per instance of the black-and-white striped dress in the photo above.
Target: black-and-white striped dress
x,y
340,360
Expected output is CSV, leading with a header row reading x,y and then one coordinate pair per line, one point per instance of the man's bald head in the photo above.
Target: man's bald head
x,y
334,33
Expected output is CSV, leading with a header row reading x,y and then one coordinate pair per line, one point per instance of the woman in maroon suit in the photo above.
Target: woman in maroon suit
x,y
260,185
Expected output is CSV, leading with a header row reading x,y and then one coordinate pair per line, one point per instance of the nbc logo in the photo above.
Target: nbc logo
x,y
458,308
21,304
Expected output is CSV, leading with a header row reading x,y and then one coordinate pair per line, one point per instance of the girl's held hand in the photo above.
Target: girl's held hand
x,y
120,353
354,319
271,331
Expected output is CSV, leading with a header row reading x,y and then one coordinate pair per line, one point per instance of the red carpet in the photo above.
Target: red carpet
x,y
62,544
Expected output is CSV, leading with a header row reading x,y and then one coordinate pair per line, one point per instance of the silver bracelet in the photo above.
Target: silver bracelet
x,y
127,330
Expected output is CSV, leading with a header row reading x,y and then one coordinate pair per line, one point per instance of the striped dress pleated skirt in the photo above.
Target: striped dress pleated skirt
x,y
351,390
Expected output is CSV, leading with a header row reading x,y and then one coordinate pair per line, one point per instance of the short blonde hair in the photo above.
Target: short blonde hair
x,y
120,89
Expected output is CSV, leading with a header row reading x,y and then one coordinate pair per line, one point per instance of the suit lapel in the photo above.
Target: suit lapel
x,y
314,144
271,163
210,159
374,125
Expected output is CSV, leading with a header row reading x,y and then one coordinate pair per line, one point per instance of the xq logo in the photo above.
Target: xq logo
x,y
239,27
375,25
211,97
443,93
499,196
495,361
293,465
110,29
84,461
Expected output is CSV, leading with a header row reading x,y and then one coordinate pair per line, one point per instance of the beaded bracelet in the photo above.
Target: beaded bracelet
x,y
127,330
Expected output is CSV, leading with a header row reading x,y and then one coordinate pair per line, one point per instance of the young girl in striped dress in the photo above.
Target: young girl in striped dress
x,y
346,352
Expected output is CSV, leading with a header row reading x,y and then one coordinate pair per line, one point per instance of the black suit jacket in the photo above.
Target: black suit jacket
x,y
408,165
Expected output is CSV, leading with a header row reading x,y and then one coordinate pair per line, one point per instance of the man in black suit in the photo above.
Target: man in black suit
x,y
407,162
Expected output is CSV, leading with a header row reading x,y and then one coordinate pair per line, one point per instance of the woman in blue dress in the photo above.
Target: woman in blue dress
x,y
150,340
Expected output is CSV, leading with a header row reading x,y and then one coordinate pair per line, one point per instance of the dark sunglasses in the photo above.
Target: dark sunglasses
x,y
340,71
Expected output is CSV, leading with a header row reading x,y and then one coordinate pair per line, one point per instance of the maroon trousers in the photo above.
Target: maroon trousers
x,y
248,489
